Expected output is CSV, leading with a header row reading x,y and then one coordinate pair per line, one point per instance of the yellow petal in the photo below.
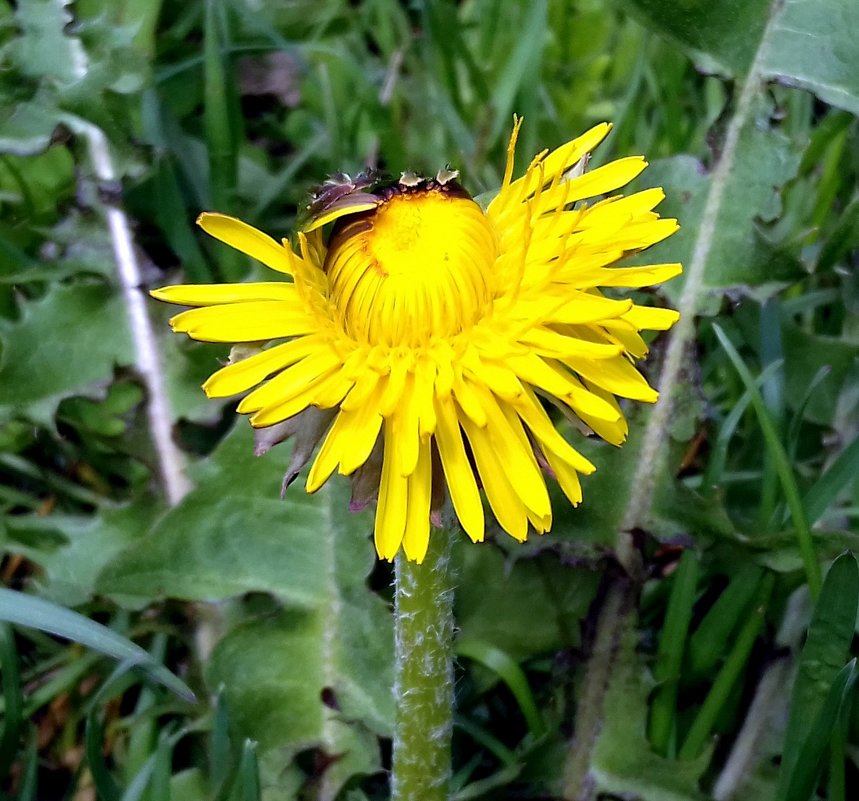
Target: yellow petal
x,y
503,499
617,376
417,532
294,379
468,400
404,425
625,333
552,343
457,470
213,294
349,442
633,277
567,478
556,380
604,179
651,319
247,373
538,421
613,432
353,207
392,509
543,170
332,386
248,240
244,322
511,447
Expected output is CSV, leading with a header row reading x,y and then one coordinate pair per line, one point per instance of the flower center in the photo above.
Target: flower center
x,y
417,266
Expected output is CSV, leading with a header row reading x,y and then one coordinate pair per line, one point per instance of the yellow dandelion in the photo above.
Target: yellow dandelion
x,y
421,338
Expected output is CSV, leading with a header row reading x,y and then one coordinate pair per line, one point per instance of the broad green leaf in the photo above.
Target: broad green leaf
x,y
675,508
623,763
78,547
825,651
809,45
331,644
526,608
28,610
813,46
316,678
27,129
43,50
189,785
726,32
37,366
741,255
234,534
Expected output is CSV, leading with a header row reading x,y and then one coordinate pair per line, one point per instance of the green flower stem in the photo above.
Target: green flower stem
x,y
423,619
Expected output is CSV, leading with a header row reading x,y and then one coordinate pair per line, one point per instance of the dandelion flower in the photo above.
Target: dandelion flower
x,y
420,340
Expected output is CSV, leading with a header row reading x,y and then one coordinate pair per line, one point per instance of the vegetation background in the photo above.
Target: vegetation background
x,y
719,669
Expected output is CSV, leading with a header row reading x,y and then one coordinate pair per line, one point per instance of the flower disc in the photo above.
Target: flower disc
x,y
418,265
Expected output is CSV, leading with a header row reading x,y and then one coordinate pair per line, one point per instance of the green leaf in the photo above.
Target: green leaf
x,y
525,608
838,475
27,129
711,640
800,784
781,464
674,508
13,700
234,534
331,644
623,763
510,673
741,255
318,678
809,45
37,370
43,51
823,656
672,646
813,46
804,353
726,32
89,543
28,610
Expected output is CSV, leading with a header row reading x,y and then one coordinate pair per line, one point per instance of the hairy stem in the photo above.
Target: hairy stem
x,y
424,674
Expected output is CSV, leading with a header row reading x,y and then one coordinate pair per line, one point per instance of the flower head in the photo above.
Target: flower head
x,y
422,336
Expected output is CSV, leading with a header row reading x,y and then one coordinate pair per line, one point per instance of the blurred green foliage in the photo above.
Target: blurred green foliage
x,y
275,612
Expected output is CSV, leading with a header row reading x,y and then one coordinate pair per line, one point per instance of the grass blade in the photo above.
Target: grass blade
x,y
734,666
248,775
511,674
672,646
13,700
711,639
840,473
799,784
826,649
782,466
27,610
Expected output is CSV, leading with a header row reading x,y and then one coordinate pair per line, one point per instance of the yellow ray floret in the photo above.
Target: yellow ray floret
x,y
440,336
